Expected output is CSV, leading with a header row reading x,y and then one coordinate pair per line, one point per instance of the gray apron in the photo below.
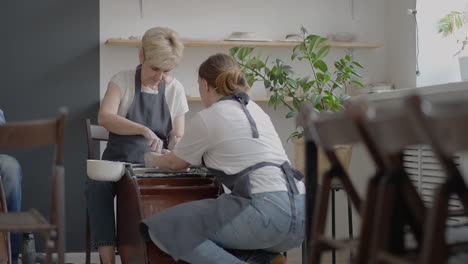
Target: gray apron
x,y
180,229
150,110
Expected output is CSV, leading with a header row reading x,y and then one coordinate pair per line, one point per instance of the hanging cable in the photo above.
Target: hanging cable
x,y
417,45
413,12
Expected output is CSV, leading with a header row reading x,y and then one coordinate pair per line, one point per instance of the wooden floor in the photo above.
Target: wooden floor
x,y
294,257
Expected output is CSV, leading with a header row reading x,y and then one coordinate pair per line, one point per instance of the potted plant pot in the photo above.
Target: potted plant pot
x,y
343,152
463,63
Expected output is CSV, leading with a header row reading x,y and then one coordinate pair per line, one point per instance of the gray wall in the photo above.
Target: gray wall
x,y
50,58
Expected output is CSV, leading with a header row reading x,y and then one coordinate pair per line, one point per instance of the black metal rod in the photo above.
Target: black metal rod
x,y
350,219
333,224
311,191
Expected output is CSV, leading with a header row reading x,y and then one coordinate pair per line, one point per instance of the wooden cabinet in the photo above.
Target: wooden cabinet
x,y
139,198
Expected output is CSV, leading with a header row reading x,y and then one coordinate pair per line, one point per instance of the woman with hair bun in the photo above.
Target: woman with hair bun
x,y
262,211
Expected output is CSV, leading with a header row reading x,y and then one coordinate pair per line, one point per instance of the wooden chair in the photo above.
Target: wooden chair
x,y
369,226
326,130
30,134
94,133
445,128
389,132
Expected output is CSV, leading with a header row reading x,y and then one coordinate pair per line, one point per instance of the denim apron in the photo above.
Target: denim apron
x,y
150,110
180,229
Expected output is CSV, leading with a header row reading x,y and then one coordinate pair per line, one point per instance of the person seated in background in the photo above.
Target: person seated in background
x,y
236,140
10,174
144,110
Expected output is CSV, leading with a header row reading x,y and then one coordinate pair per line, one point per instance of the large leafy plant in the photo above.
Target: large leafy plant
x,y
451,23
324,88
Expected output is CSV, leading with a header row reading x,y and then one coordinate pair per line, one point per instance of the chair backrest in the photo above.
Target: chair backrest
x,y
94,133
446,123
445,128
392,129
340,128
330,129
29,134
327,131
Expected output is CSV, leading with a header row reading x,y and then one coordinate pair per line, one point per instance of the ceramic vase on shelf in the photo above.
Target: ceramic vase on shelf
x,y
343,152
463,63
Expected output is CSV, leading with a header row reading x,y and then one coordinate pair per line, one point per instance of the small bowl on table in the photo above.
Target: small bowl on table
x,y
105,170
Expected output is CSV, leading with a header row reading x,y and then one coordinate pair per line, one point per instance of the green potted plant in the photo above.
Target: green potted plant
x,y
451,24
324,87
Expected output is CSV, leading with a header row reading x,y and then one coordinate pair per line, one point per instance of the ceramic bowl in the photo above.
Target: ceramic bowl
x,y
247,35
104,170
344,36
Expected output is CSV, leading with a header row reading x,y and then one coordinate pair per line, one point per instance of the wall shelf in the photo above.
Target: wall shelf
x,y
230,44
261,99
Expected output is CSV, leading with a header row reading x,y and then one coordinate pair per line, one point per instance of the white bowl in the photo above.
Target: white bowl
x,y
344,36
248,35
105,170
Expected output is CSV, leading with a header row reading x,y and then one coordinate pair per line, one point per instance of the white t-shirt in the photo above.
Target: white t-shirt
x,y
175,94
223,136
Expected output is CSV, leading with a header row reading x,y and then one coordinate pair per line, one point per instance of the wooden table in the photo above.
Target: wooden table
x,y
139,198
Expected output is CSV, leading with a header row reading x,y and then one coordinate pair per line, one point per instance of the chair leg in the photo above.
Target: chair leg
x,y
350,225
304,252
400,217
368,223
5,245
49,246
350,220
88,240
383,213
353,197
417,210
333,195
434,245
319,221
60,219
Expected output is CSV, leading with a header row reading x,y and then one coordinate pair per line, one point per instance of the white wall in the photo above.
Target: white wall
x,y
210,19
400,40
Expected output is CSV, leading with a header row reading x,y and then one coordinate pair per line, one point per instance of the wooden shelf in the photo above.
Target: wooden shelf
x,y
230,44
262,99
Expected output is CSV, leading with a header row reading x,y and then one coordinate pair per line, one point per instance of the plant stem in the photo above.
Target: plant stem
x,y
255,71
464,44
263,77
310,62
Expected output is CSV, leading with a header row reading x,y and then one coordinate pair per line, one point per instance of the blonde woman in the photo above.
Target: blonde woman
x,y
143,109
236,140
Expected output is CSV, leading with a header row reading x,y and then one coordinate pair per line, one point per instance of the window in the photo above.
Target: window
x,y
426,174
436,61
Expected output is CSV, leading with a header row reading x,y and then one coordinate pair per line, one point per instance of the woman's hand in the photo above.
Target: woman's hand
x,y
154,143
152,159
165,161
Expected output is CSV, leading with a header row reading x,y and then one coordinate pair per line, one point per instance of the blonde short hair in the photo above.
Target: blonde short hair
x,y
162,47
